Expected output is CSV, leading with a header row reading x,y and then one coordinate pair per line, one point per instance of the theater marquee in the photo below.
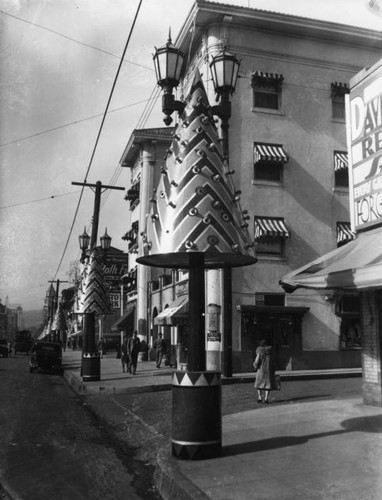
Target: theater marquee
x,y
364,134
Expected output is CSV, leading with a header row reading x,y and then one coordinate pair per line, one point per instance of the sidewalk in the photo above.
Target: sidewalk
x,y
312,450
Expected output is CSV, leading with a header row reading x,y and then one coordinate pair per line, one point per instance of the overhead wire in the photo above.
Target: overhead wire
x,y
39,199
73,39
53,129
98,137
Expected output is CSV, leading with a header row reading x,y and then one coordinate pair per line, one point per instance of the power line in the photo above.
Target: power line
x,y
39,199
98,136
70,124
73,39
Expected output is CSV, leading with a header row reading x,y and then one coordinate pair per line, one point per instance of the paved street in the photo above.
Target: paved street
x,y
53,446
314,441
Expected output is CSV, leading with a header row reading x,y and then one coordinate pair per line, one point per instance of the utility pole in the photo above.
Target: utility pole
x,y
91,363
56,301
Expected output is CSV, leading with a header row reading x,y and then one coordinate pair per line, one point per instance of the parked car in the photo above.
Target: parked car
x,y
46,356
23,342
4,351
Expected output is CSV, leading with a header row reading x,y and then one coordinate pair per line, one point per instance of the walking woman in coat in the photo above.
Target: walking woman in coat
x,y
265,371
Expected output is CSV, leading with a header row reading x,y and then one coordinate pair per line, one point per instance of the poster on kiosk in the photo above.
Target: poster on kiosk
x,y
364,137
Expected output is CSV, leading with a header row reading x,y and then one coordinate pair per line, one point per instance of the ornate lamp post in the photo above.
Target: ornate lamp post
x,y
168,63
195,223
225,70
105,243
95,300
84,240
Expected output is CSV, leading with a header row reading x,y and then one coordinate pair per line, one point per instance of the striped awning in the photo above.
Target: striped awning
x,y
176,314
270,227
340,161
344,233
269,152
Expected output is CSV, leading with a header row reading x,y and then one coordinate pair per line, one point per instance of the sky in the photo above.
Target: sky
x,y
58,64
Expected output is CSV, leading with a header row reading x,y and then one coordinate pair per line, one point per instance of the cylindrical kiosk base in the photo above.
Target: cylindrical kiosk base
x,y
91,367
196,415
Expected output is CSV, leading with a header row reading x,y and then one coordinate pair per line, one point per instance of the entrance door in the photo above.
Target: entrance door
x,y
278,331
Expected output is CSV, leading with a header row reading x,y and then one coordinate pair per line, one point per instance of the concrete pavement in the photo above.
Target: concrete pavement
x,y
311,450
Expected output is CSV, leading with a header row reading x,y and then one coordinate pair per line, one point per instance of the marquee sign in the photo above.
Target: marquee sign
x,y
364,133
115,267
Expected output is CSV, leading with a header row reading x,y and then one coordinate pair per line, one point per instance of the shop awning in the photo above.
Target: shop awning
x,y
123,321
340,161
269,152
270,227
175,314
344,233
354,266
78,333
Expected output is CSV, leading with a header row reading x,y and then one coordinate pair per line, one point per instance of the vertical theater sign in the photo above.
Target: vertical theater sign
x,y
364,132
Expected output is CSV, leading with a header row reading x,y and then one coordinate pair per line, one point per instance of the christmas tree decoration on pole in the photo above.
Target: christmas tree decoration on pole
x,y
195,208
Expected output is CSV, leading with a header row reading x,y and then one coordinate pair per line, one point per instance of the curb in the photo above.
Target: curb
x,y
82,388
171,482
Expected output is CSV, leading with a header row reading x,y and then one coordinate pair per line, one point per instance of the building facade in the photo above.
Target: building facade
x,y
287,145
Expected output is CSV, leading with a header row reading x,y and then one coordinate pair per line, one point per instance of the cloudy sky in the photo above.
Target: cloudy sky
x,y
58,63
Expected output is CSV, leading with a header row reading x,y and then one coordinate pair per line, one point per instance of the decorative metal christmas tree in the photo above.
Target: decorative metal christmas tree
x,y
196,208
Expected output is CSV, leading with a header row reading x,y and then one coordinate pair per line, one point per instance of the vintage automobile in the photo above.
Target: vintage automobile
x,y
23,342
46,356
4,350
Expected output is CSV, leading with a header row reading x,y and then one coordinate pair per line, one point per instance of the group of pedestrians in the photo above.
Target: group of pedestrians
x,y
129,356
130,348
266,379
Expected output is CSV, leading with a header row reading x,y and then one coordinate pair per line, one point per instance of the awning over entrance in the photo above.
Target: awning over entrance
x,y
123,321
269,152
175,314
344,233
340,161
354,266
270,227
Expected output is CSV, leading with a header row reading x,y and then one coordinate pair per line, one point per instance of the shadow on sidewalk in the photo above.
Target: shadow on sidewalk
x,y
359,424
302,398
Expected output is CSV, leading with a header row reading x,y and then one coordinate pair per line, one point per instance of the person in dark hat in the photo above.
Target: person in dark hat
x,y
160,347
133,345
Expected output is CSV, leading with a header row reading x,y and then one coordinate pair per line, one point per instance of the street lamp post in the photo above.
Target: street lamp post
x,y
91,364
225,70
196,224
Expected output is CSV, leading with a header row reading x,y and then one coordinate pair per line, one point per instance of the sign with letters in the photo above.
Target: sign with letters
x,y
364,136
115,300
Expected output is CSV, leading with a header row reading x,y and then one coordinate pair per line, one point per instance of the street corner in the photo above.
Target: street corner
x,y
170,480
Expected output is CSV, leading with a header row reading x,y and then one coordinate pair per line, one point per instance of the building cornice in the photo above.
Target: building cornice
x,y
205,13
143,136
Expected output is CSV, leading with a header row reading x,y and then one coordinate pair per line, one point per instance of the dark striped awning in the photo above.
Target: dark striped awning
x,y
269,152
175,314
270,227
344,233
340,161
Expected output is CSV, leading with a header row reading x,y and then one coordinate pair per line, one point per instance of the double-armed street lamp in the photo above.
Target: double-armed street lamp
x,y
95,300
84,240
197,224
224,67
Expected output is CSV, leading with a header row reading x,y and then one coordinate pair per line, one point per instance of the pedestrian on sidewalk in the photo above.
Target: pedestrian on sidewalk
x,y
265,371
133,345
160,347
125,355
